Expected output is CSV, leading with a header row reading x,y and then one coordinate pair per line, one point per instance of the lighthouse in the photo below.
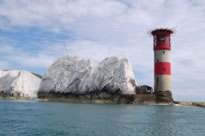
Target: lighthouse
x,y
162,64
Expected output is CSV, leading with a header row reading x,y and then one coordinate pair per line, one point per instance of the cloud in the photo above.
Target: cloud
x,y
54,14
100,28
11,53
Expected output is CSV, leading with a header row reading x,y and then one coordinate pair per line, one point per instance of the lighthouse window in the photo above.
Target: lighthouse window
x,y
155,41
161,38
167,40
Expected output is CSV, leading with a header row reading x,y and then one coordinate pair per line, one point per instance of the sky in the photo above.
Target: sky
x,y
34,33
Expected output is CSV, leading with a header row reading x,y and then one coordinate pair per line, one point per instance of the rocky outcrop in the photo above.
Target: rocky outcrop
x,y
101,97
18,83
164,97
195,104
71,75
144,89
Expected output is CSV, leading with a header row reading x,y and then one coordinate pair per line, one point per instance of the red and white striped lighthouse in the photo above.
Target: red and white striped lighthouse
x,y
162,64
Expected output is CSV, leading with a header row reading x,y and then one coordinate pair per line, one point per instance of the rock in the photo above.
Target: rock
x,y
164,97
144,99
126,99
195,104
18,83
144,89
79,76
101,98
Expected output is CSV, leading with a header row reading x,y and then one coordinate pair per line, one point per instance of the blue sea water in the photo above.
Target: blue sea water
x,y
37,118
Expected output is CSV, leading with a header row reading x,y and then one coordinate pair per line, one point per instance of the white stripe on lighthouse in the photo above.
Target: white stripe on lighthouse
x,y
162,83
162,56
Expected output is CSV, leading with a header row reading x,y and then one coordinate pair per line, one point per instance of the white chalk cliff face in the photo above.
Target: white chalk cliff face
x,y
74,75
19,83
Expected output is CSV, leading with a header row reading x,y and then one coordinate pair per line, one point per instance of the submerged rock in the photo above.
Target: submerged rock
x,y
78,76
19,83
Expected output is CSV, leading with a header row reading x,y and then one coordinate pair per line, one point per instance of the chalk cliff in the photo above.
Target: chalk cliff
x,y
19,83
79,76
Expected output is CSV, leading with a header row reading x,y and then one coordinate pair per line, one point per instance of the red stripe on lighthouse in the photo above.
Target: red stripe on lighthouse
x,y
162,68
162,47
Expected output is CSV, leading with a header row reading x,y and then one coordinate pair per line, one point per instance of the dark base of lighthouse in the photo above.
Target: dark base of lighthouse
x,y
164,97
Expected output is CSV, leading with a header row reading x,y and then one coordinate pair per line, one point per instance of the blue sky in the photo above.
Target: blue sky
x,y
34,33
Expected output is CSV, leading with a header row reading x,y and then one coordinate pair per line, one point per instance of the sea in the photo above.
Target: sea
x,y
41,118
